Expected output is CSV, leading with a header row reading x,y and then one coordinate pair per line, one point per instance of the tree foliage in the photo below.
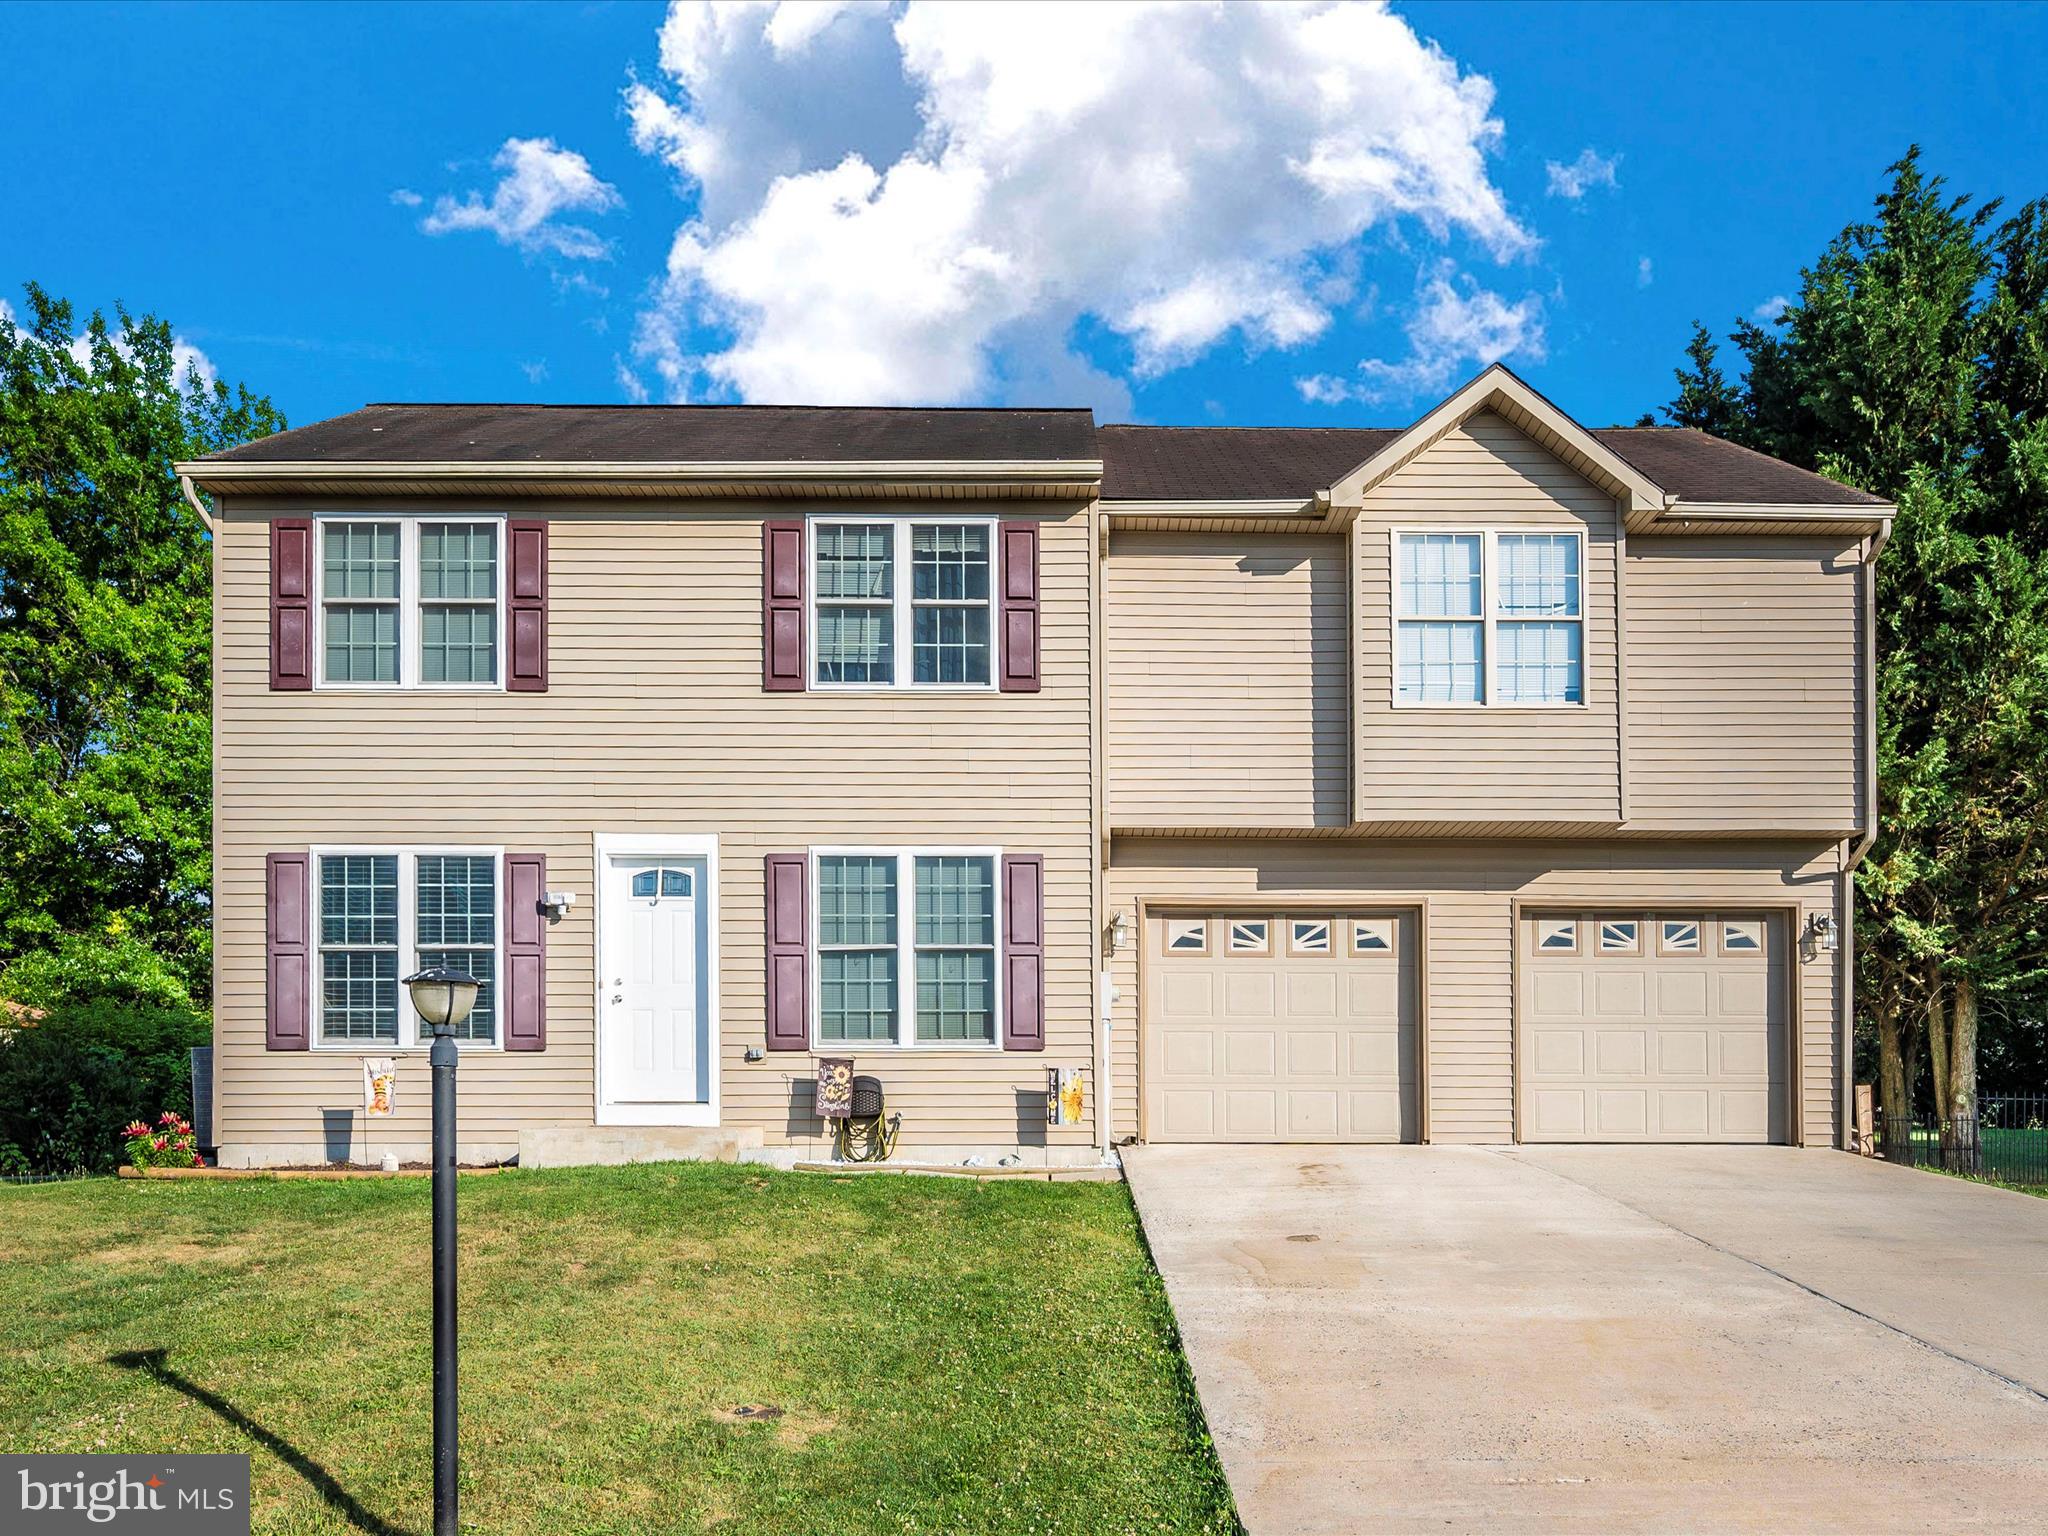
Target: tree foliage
x,y
1914,364
105,637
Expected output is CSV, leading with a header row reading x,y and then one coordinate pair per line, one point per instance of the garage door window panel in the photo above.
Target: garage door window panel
x,y
1308,936
1557,935
1187,936
1250,936
1678,936
1742,936
1620,936
1372,936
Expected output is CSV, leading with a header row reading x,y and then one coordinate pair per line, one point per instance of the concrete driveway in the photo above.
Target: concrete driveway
x,y
1608,1339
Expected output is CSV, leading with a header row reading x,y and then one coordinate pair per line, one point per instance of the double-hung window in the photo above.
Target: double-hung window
x,y
410,602
906,948
1489,618
383,914
903,602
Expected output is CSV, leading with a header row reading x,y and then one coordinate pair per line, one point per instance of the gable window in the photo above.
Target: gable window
x,y
906,948
384,914
1489,618
903,602
409,602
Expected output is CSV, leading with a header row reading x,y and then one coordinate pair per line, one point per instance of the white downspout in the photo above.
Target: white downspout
x,y
1847,897
192,498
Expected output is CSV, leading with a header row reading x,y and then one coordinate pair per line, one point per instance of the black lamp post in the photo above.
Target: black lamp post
x,y
443,997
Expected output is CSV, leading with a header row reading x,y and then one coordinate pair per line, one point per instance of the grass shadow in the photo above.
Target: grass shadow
x,y
153,1363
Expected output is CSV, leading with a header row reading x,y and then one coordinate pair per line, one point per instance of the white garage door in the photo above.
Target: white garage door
x,y
1281,1026
1658,1026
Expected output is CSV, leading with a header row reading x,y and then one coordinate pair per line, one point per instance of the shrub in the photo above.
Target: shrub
x,y
75,1071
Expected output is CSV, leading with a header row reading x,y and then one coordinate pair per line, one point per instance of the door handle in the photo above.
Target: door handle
x,y
618,997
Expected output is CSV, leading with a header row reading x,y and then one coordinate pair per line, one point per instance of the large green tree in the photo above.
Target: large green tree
x,y
105,640
1914,364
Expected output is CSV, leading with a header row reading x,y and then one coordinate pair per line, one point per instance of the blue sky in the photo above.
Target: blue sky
x,y
1230,216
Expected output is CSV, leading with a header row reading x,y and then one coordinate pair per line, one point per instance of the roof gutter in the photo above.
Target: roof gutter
x,y
1845,1131
648,472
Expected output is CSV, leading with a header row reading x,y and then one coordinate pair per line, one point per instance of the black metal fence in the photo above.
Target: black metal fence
x,y
2007,1140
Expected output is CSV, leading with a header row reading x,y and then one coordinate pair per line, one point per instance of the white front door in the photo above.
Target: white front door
x,y
653,1049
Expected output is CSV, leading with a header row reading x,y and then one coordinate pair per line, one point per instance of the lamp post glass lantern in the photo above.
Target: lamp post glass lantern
x,y
443,998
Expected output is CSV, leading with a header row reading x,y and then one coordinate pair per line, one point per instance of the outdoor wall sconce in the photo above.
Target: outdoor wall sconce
x,y
556,904
1119,932
1820,932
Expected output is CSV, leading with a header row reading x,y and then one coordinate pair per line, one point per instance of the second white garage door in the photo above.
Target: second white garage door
x,y
1653,1026
1280,1026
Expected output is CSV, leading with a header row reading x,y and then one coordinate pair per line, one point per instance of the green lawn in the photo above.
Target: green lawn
x,y
952,1355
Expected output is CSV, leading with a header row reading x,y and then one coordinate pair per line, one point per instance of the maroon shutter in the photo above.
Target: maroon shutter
x,y
526,553
1020,607
1023,952
524,994
782,607
291,602
287,991
789,959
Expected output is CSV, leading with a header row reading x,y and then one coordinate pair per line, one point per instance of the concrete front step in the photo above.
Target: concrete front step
x,y
585,1146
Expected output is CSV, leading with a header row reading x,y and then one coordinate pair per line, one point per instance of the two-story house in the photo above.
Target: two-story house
x,y
1491,779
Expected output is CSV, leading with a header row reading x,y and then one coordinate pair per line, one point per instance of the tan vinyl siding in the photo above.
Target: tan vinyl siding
x,y
1745,672
1225,679
1467,891
655,722
1485,763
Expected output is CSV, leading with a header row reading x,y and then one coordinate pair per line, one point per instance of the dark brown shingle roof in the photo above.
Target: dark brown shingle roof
x,y
575,434
1280,463
1231,463
1139,463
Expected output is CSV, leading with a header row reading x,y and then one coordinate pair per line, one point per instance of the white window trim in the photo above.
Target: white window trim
x,y
409,1038
906,950
901,603
409,629
1490,617
606,847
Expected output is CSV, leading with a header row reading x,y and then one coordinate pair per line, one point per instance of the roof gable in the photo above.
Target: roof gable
x,y
1499,392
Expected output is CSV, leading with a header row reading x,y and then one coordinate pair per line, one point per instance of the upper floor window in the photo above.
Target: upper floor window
x,y
903,602
1489,618
409,602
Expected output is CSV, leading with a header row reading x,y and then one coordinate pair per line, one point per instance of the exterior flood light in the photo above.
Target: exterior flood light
x,y
442,997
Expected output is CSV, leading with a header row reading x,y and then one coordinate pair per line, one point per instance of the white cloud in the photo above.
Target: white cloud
x,y
405,197
1457,327
887,199
1772,307
541,180
1588,171
1646,274
535,372
628,382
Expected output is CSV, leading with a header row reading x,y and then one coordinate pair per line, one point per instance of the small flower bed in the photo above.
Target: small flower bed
x,y
170,1143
